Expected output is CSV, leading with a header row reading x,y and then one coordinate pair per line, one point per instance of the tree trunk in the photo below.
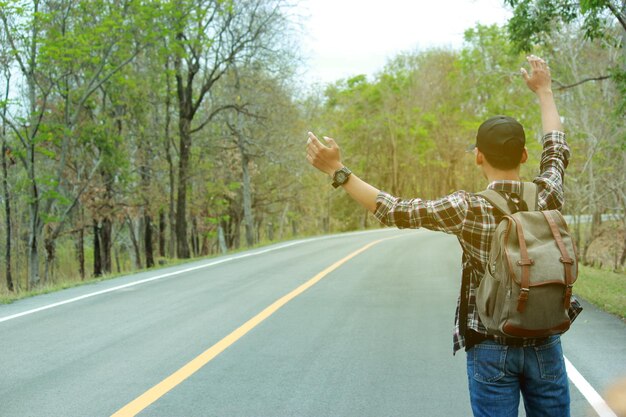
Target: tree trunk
x,y
171,243
49,246
195,241
162,227
7,214
170,164
247,200
118,265
106,242
80,252
33,253
133,239
33,209
148,241
182,245
221,240
97,253
33,204
270,231
7,195
248,216
283,222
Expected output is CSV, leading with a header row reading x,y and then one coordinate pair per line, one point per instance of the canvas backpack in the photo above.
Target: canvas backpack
x,y
527,285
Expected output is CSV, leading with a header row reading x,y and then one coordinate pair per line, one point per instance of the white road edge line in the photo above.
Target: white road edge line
x,y
590,394
155,278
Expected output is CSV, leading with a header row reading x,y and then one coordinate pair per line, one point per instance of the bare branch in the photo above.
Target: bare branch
x,y
619,14
104,79
15,130
562,86
68,210
11,40
215,113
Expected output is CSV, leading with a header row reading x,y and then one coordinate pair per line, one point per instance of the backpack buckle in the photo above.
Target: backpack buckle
x,y
523,297
566,260
568,297
525,262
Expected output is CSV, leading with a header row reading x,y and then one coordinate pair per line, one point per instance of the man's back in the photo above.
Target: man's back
x,y
473,219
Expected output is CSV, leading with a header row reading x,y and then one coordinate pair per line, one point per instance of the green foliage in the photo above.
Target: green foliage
x,y
534,20
603,288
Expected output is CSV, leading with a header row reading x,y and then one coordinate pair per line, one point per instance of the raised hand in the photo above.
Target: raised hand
x,y
325,158
539,79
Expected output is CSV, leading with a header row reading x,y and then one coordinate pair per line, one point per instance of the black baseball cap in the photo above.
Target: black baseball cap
x,y
501,137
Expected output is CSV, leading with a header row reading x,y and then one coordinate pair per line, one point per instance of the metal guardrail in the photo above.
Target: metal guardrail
x,y
586,218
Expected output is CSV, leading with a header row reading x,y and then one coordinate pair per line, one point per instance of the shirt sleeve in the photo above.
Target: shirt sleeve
x,y
446,214
554,161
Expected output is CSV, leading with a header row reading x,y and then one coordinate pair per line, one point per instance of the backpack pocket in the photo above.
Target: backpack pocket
x,y
489,299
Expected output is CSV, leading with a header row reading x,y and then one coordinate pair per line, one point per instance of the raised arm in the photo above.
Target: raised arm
x,y
540,82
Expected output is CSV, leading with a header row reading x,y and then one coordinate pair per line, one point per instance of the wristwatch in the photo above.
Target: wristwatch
x,y
341,176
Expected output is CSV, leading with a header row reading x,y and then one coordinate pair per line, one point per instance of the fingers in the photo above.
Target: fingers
x,y
525,74
331,142
534,62
537,63
313,148
314,141
325,158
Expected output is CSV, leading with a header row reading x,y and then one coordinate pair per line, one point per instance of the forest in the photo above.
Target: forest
x,y
136,134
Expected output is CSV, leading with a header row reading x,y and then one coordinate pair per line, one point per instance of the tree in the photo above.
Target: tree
x,y
534,21
572,31
255,127
5,66
65,51
208,37
22,28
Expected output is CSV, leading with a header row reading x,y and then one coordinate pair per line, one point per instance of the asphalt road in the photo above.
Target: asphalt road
x,y
372,337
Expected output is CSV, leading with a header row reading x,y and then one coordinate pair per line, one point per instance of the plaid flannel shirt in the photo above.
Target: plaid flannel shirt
x,y
473,220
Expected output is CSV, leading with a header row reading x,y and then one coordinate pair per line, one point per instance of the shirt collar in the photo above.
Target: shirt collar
x,y
508,186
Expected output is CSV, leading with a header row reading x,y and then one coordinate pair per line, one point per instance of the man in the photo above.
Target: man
x,y
498,368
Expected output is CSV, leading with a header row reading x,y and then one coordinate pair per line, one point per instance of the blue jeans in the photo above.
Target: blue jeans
x,y
497,374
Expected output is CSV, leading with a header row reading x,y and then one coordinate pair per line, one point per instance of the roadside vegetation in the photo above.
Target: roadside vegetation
x,y
603,288
133,140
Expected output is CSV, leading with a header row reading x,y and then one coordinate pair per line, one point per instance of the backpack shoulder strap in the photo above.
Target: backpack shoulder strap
x,y
530,192
496,200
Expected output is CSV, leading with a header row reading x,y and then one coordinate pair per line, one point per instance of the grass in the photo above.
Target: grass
x,y
605,289
62,282
8,297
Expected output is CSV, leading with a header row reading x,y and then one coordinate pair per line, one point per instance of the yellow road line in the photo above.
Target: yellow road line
x,y
163,387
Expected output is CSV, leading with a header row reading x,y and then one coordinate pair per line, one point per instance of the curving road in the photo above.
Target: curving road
x,y
306,328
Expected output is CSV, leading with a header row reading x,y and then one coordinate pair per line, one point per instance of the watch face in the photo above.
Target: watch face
x,y
341,177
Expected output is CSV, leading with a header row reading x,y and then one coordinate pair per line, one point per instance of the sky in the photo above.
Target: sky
x,y
343,38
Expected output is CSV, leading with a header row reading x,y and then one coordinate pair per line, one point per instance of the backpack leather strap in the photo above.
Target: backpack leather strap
x,y
565,259
525,262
